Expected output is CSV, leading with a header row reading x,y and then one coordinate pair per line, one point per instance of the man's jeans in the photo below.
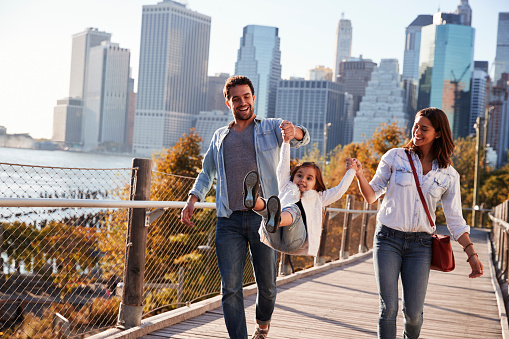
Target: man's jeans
x,y
233,235
408,253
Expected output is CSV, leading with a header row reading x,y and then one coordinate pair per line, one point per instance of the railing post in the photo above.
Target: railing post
x,y
320,259
345,240
363,246
285,265
131,307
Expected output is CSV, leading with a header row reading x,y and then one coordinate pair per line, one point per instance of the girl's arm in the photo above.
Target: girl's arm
x,y
335,193
283,167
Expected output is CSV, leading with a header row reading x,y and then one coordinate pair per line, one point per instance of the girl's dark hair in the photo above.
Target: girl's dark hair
x,y
320,186
443,146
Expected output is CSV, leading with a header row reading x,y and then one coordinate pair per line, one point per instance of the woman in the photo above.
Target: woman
x,y
402,243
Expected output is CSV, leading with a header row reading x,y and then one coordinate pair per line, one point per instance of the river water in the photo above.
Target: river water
x,y
63,159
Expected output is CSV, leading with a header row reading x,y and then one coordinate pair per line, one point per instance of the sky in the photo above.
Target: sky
x,y
36,40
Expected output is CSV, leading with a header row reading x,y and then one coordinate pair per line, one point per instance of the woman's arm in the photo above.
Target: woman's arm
x,y
366,190
472,258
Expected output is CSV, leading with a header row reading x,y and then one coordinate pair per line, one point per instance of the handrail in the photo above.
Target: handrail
x,y
45,202
500,221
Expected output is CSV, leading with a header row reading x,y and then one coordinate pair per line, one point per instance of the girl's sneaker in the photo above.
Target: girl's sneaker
x,y
251,184
273,214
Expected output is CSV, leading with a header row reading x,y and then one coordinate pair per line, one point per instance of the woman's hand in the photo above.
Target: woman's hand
x,y
476,265
355,164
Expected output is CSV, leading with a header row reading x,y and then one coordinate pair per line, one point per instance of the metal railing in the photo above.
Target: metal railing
x,y
68,262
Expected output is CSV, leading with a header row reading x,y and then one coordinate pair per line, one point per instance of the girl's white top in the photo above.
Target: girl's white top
x,y
402,207
313,202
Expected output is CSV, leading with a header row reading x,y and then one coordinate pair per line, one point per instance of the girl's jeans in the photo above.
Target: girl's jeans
x,y
287,239
408,254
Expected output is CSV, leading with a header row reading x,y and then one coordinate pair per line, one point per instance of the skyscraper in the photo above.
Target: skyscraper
x,y
498,132
343,43
67,122
465,13
413,45
259,59
68,114
81,44
478,93
382,103
172,84
314,104
445,68
502,53
106,96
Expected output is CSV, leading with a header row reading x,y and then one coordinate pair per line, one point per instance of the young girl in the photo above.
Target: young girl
x,y
297,227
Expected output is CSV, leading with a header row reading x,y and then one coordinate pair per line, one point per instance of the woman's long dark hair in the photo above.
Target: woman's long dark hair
x,y
443,146
320,186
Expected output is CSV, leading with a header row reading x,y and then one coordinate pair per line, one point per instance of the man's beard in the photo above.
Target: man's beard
x,y
243,116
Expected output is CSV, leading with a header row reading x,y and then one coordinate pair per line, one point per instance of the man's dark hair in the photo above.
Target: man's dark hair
x,y
235,81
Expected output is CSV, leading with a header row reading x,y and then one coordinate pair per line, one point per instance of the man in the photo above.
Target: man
x,y
248,143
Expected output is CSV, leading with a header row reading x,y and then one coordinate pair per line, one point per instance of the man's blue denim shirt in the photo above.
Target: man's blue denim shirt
x,y
268,140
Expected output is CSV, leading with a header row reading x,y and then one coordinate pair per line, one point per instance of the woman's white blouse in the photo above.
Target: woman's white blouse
x,y
402,208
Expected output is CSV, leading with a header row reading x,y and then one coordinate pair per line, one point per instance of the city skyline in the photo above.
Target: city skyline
x,y
34,70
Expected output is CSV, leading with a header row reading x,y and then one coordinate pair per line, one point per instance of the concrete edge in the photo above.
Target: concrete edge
x,y
173,317
498,293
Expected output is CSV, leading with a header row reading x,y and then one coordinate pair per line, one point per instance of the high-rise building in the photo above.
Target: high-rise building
x,y
343,43
105,105
314,104
479,93
354,74
172,84
81,44
320,73
502,53
445,68
498,127
465,13
382,103
413,45
259,59
67,122
215,96
410,76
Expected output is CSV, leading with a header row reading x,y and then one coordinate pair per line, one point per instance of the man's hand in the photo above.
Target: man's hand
x,y
187,212
288,130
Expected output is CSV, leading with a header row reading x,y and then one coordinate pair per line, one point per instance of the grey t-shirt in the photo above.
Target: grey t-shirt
x,y
239,159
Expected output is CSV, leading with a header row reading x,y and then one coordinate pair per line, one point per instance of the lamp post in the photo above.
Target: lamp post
x,y
477,169
325,132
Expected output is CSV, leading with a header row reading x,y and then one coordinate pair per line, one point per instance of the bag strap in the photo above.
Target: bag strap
x,y
414,172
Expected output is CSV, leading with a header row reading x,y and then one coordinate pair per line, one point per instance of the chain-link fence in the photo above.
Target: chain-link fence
x,y
60,265
63,267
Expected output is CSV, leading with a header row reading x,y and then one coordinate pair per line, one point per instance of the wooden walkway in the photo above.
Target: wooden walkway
x,y
343,303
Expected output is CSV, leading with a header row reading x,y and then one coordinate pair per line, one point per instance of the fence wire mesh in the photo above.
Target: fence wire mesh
x,y
181,264
60,265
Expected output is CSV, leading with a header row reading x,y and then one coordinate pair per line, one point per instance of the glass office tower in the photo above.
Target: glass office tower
x,y
259,59
445,69
502,54
172,84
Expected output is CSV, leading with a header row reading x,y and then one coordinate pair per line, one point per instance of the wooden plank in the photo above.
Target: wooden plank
x,y
343,303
